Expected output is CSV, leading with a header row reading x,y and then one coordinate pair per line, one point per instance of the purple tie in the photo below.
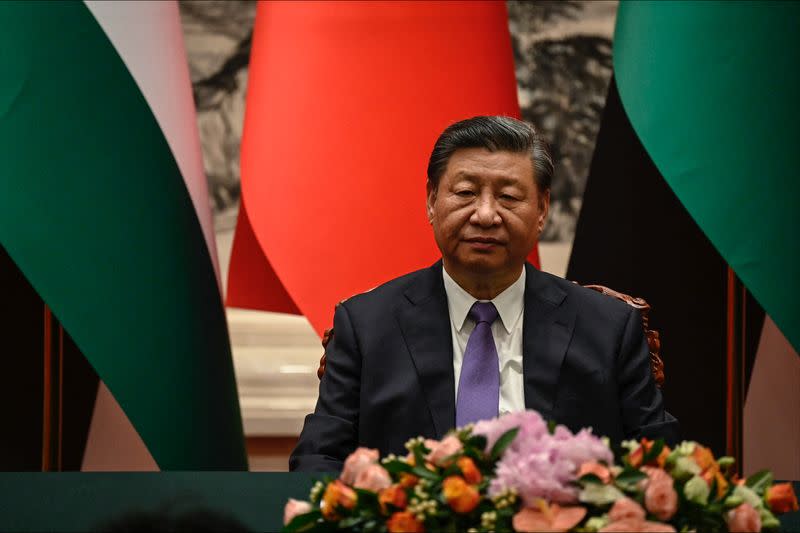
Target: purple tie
x,y
479,384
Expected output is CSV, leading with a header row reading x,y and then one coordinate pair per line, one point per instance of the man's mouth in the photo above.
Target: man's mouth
x,y
484,240
483,244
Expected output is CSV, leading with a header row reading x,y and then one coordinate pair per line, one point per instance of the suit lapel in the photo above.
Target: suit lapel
x,y
547,329
425,324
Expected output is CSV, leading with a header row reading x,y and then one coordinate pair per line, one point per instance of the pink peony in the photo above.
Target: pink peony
x,y
660,497
743,518
356,462
540,465
583,447
441,452
626,509
293,508
530,424
374,477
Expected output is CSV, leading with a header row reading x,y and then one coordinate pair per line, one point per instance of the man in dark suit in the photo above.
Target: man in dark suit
x,y
481,332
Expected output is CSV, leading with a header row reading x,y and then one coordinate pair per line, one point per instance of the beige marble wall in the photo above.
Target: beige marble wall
x,y
772,407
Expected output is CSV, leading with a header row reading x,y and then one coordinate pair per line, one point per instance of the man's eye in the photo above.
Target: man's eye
x,y
508,197
465,193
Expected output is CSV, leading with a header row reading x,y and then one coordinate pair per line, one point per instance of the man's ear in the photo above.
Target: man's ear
x,y
431,200
544,208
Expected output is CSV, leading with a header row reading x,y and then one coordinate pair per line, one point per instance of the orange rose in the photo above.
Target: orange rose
x,y
408,480
661,460
722,484
710,469
395,496
337,494
469,470
703,457
461,496
636,456
781,498
404,522
599,470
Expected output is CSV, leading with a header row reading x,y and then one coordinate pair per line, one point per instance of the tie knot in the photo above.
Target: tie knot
x,y
483,312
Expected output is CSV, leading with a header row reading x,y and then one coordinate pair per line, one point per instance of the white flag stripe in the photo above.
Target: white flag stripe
x,y
148,37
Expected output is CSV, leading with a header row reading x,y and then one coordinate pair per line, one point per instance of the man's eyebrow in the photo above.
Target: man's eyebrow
x,y
467,175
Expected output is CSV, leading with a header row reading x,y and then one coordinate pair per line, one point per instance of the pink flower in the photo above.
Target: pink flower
x,y
627,515
539,465
660,497
536,472
374,477
593,467
582,447
626,509
441,452
356,462
530,424
293,508
743,518
634,524
552,518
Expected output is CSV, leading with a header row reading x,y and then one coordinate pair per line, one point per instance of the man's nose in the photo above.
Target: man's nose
x,y
486,214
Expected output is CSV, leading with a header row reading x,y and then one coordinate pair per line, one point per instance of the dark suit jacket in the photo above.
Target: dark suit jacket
x,y
389,374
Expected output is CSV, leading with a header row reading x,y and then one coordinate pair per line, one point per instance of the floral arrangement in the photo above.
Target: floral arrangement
x,y
519,473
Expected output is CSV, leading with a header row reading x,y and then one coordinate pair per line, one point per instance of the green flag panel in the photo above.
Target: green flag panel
x,y
711,89
95,212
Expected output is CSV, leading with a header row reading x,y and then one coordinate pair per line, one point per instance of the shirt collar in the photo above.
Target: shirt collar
x,y
509,303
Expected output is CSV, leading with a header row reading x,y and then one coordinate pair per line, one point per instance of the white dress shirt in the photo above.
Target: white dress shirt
x,y
506,330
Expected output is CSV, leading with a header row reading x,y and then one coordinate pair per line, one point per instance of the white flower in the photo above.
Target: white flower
x,y
599,495
685,467
696,490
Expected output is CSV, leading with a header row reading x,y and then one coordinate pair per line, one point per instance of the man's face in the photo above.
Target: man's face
x,y
487,212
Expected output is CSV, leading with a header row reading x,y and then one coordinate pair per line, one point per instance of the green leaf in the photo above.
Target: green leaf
x,y
502,443
768,520
419,455
424,473
654,452
397,467
589,478
629,478
350,523
477,441
759,481
303,522
366,498
725,461
551,426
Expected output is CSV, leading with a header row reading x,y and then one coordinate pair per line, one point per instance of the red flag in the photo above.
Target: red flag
x,y
344,103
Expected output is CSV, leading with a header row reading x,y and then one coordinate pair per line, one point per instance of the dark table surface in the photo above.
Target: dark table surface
x,y
73,501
